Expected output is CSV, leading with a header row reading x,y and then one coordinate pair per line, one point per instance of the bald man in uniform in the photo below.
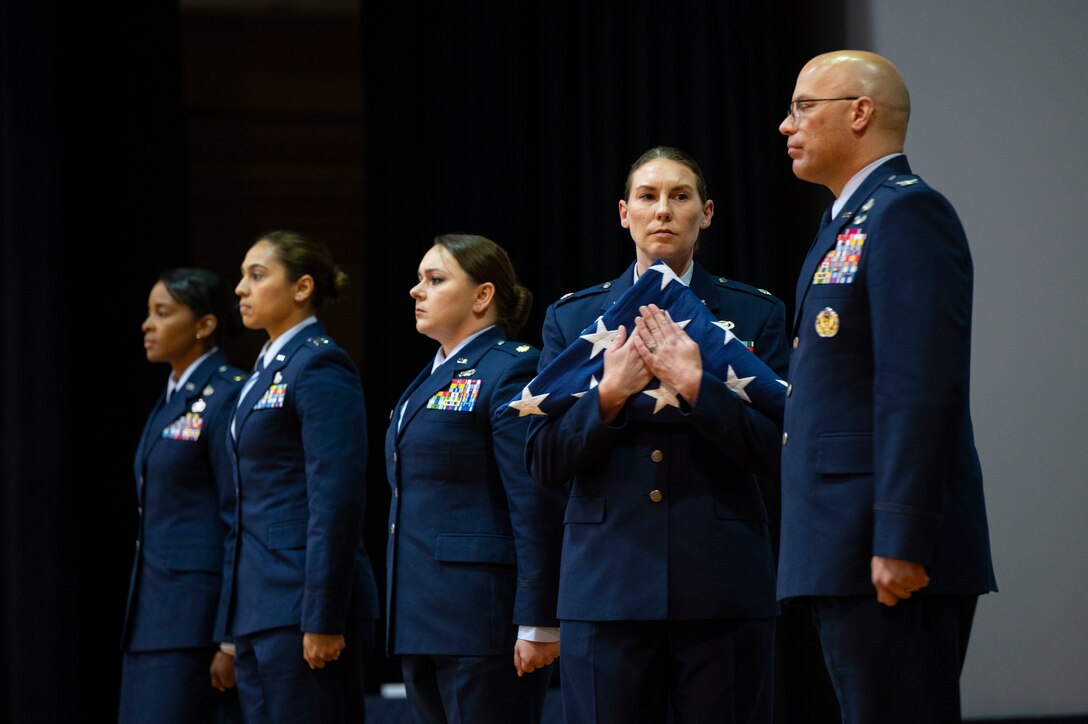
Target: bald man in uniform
x,y
884,532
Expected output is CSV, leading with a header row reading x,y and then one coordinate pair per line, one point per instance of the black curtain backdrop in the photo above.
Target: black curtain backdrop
x,y
511,120
92,207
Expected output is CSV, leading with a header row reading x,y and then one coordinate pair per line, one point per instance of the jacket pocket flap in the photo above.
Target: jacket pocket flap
x,y
844,453
474,548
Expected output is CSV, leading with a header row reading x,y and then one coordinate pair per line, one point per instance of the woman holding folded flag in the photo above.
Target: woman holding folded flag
x,y
667,580
473,552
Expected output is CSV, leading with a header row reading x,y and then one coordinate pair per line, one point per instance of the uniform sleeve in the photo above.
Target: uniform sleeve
x,y
919,279
222,472
536,513
329,401
745,435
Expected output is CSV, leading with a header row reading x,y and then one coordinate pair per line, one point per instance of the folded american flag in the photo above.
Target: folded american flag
x,y
579,367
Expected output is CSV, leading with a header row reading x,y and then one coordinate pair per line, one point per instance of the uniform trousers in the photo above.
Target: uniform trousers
x,y
473,690
277,686
893,664
704,671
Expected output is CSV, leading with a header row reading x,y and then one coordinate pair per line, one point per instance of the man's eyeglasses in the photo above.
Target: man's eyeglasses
x,y
798,108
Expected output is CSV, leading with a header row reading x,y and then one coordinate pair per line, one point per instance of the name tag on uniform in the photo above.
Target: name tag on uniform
x,y
185,428
272,397
840,265
459,397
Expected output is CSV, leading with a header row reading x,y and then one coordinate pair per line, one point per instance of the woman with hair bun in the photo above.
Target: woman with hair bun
x,y
473,552
185,502
303,599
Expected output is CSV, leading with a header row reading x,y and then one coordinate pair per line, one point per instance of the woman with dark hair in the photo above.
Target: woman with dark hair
x,y
302,599
473,541
667,597
185,501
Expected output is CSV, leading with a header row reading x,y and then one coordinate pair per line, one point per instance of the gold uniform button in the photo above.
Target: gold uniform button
x,y
785,438
657,456
795,342
656,496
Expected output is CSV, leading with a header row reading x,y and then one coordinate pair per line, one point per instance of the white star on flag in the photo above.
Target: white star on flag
x,y
664,396
737,384
529,404
667,274
601,339
592,383
729,336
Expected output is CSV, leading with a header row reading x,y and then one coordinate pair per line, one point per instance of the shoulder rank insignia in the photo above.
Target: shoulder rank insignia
x,y
523,348
765,291
566,295
906,182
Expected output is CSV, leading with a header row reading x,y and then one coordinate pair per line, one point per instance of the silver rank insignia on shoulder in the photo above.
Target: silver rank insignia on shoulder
x,y
208,391
566,295
277,378
606,285
765,291
867,205
906,182
827,322
501,342
199,406
523,348
467,373
722,280
462,360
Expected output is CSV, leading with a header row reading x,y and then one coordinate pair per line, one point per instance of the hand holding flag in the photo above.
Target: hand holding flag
x,y
579,368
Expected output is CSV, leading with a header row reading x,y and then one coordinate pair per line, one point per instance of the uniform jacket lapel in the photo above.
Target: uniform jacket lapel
x,y
268,375
441,377
826,239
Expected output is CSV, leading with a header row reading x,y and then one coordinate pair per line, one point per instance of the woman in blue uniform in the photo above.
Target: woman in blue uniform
x,y
667,593
185,501
303,599
473,548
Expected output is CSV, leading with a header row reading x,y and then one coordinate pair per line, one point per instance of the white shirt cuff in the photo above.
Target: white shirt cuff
x,y
539,634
